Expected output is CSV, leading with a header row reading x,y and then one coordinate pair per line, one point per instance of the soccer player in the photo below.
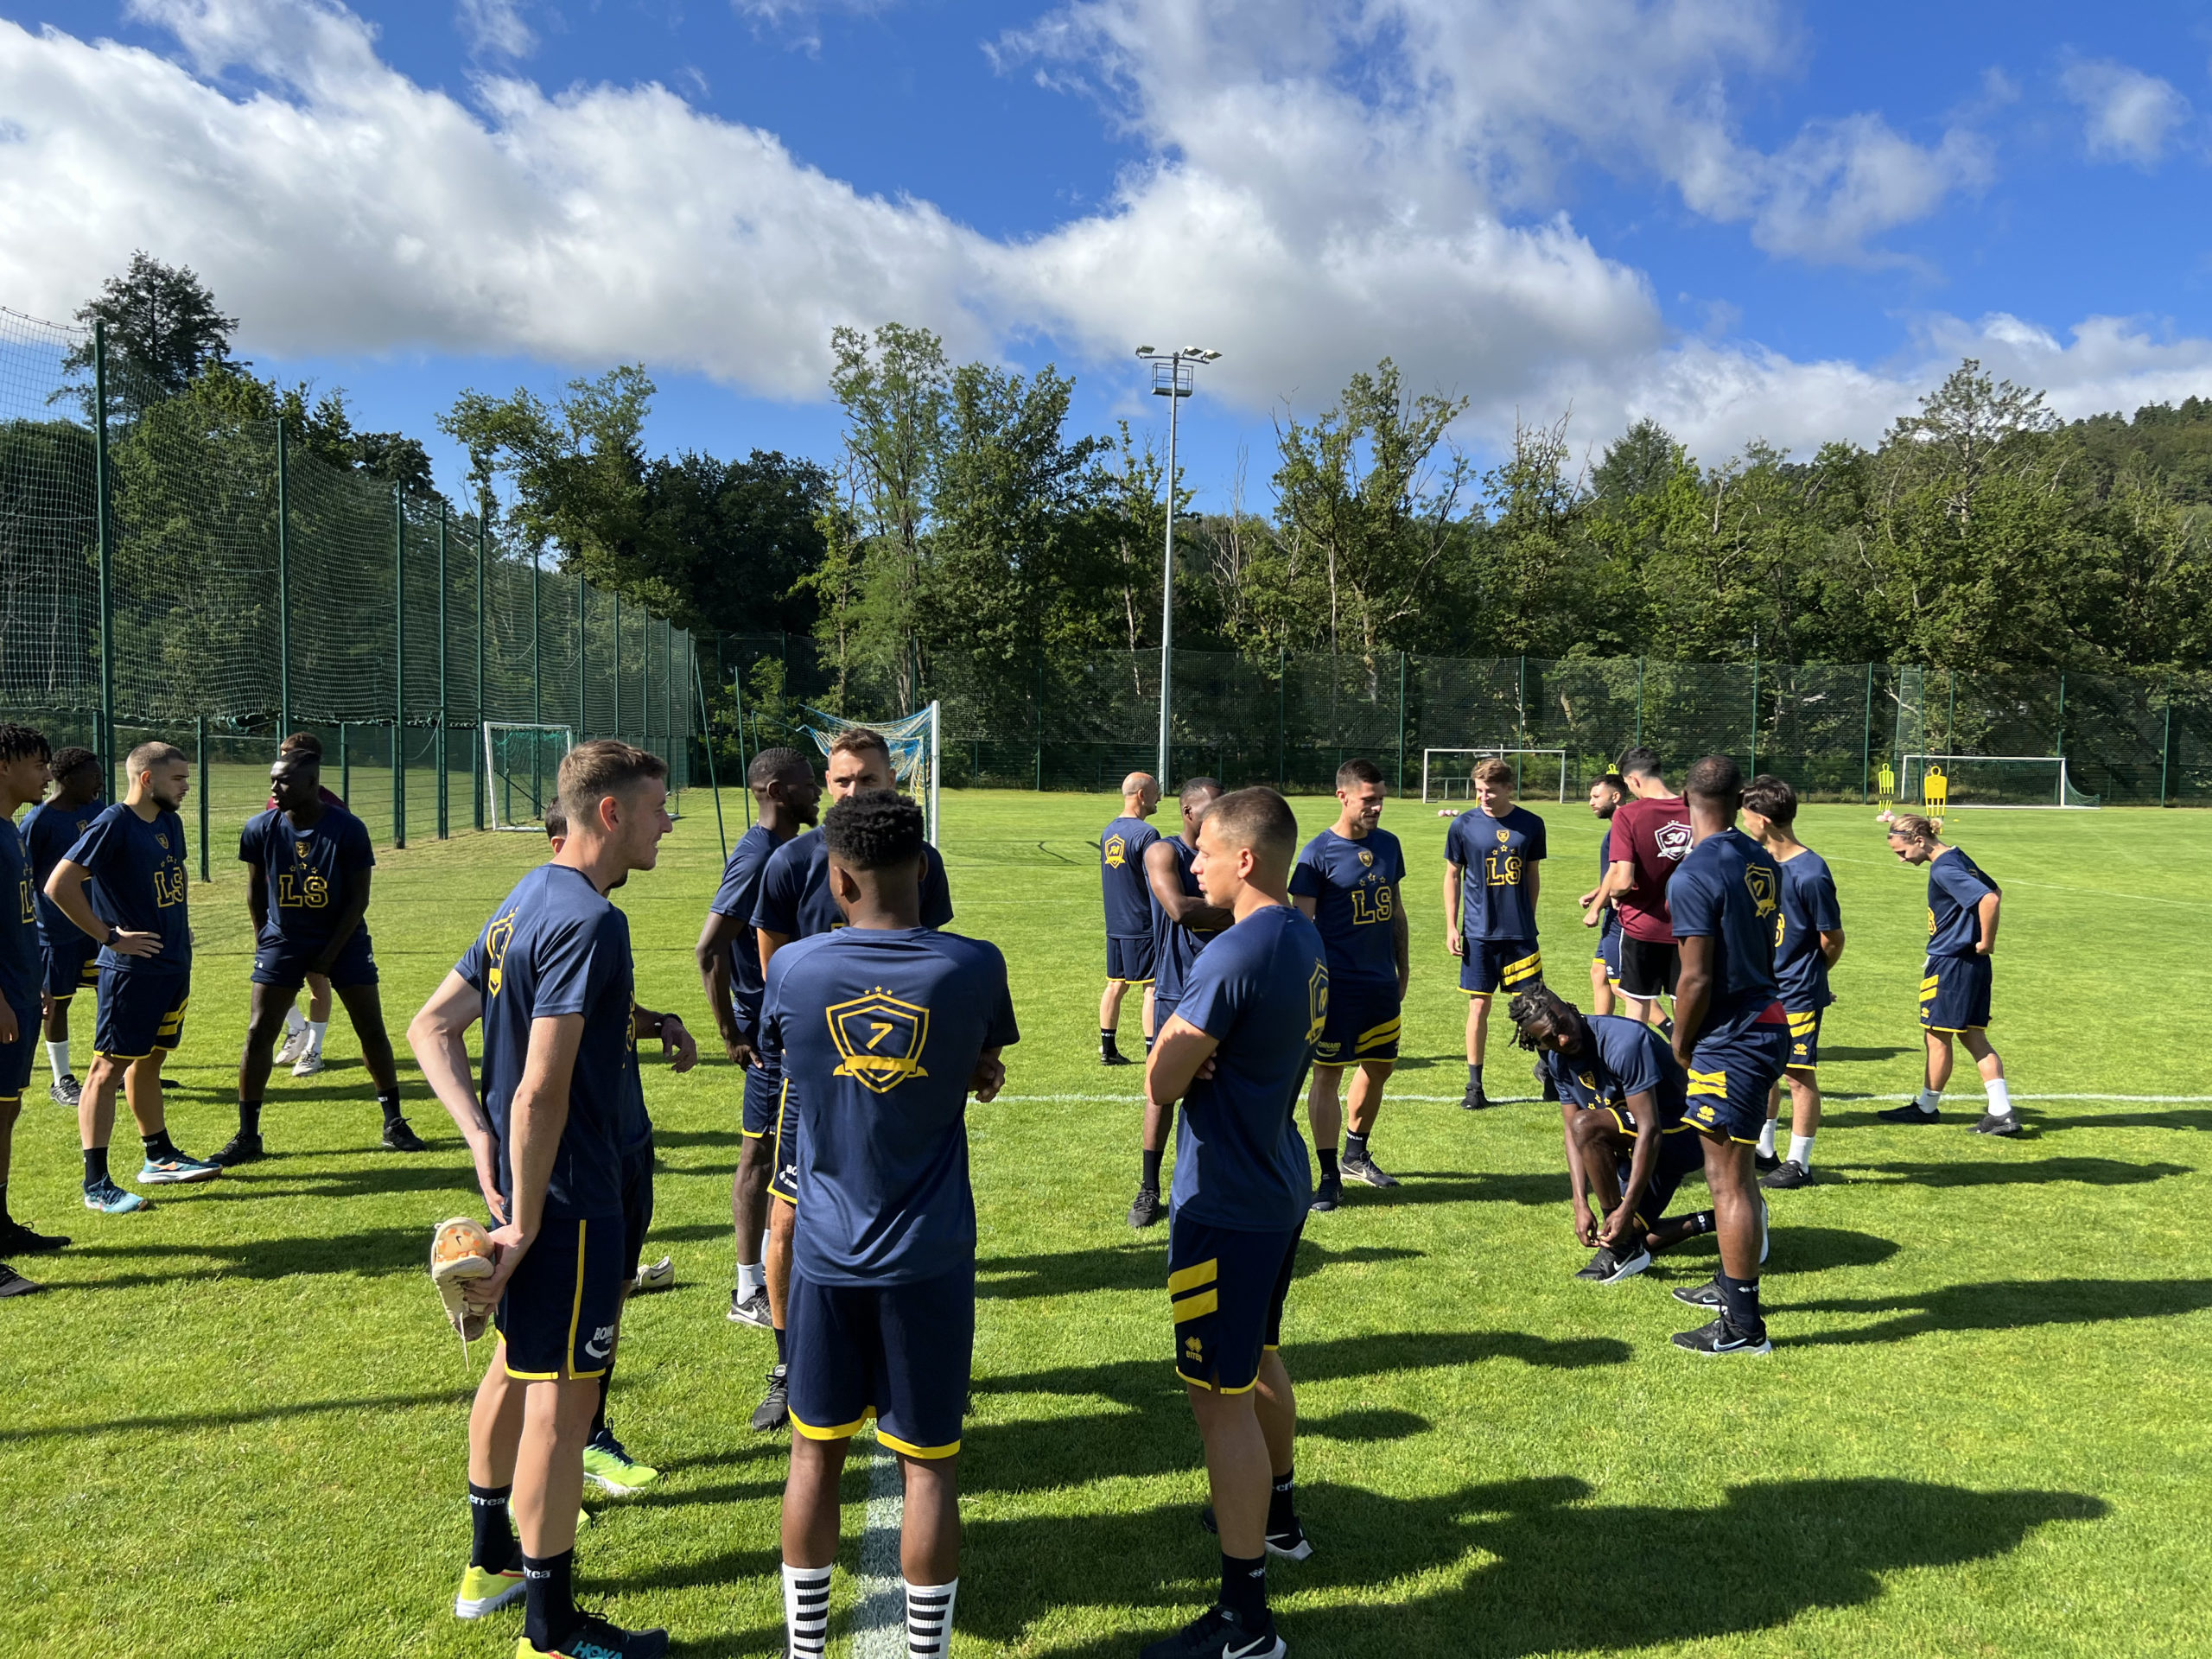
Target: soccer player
x,y
1729,1033
1346,883
24,759
1182,922
564,1153
1962,907
886,1027
72,961
1122,847
129,867
796,904
1651,836
308,895
1809,943
1491,882
1605,797
301,1048
1235,1053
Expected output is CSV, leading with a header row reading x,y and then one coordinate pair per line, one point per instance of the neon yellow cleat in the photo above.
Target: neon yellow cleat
x,y
607,1464
483,1591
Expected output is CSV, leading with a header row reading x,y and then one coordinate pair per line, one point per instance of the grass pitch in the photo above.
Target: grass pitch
x,y
236,1424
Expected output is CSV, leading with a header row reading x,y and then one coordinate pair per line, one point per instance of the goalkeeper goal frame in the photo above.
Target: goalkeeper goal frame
x,y
495,777
1443,783
1912,771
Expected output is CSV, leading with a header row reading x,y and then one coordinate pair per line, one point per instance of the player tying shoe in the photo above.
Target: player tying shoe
x,y
70,960
563,1151
1962,907
1121,847
886,1027
130,866
1182,922
23,771
1605,797
1346,883
1808,941
1491,882
1649,836
308,863
1236,1053
729,966
301,1047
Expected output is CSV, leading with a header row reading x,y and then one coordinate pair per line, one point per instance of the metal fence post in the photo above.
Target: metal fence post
x,y
616,732
706,726
668,688
283,589
536,687
445,824
399,669
1639,703
199,766
345,768
1521,700
1866,738
102,484
477,783
2166,743
1036,722
1754,769
583,600
1282,718
1401,723
2060,745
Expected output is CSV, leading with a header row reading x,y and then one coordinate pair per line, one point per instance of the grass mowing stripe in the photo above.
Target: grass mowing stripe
x,y
880,1601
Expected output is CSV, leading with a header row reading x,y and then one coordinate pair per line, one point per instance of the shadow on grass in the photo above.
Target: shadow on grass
x,y
2006,1305
1134,1267
2088,1171
2194,1117
185,1423
1831,1052
382,1249
416,1173
1817,1249
1457,1186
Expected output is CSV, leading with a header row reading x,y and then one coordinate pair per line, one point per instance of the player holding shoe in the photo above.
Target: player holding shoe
x,y
1730,1033
1962,910
1809,942
1346,882
1491,883
23,771
1122,847
729,955
129,867
886,1027
1605,797
1650,837
72,961
307,893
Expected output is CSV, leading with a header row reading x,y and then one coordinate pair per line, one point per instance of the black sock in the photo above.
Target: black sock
x,y
1700,1222
1355,1146
1105,1040
781,1358
491,1545
95,1167
1282,1509
1740,1297
391,1104
1245,1589
1328,1157
548,1607
599,1417
249,1117
1474,1079
1150,1180
158,1144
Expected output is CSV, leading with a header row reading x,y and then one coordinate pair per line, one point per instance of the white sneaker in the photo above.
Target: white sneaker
x,y
309,1064
655,1275
293,1046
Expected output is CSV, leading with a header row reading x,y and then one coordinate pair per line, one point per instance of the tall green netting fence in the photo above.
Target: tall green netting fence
x,y
253,590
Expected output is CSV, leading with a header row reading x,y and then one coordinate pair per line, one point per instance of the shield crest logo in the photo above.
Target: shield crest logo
x,y
1504,836
1760,879
1317,1002
497,938
300,849
1673,839
1116,851
161,840
881,1039
1366,857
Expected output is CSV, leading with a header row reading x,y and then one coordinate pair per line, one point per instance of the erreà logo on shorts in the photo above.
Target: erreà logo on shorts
x,y
1673,840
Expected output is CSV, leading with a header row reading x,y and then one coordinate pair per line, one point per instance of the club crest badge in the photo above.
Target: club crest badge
x,y
1761,881
497,938
161,840
1116,851
1366,857
881,1039
1673,840
1504,836
1317,1002
300,849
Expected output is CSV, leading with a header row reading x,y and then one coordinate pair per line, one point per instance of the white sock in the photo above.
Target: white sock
x,y
1930,1099
1766,1139
2000,1096
751,1276
806,1610
929,1619
1800,1151
316,1028
57,1056
294,1021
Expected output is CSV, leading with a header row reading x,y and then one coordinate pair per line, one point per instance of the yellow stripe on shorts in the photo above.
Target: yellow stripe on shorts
x,y
1190,1278
1710,1083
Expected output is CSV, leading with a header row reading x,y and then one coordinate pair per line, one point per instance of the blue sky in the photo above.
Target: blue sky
x,y
1751,218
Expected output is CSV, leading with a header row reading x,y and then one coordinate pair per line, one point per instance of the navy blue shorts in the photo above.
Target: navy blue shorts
x,y
783,1166
1805,1039
285,963
1491,966
1130,960
16,1058
897,1353
764,1086
559,1314
72,962
1362,1023
1227,1290
1609,952
1681,1153
1954,992
637,1207
141,1014
1731,1079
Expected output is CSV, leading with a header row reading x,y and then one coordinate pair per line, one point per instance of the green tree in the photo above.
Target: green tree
x,y
163,328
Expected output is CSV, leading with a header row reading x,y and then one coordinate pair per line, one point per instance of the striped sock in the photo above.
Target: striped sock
x,y
806,1610
929,1619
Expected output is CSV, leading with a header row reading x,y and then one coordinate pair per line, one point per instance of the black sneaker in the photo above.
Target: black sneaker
x,y
1998,1123
1910,1112
14,1284
595,1638
1113,1057
1365,1169
1292,1543
775,1409
1327,1196
1721,1338
397,1137
1146,1208
67,1092
1788,1178
751,1309
15,1239
1218,1634
240,1148
1613,1264
1705,1295
1764,1161
1475,1101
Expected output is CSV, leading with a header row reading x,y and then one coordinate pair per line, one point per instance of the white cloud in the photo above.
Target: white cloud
x,y
2128,115
495,28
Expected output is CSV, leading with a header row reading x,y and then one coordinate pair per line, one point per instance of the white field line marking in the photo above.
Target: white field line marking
x,y
879,1608
1512,1100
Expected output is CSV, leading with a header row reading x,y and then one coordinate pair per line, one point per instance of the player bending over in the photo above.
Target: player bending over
x,y
23,771
1955,985
886,1027
301,1048
1808,941
1605,797
1649,836
1491,881
1121,847
70,960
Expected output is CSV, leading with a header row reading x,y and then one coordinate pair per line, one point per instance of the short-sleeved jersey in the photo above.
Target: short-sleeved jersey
x,y
21,965
304,871
556,947
1496,857
1175,946
1611,923
48,833
139,884
1809,910
1729,890
795,898
1354,888
1120,876
1619,1058
1654,835
1261,990
1956,887
880,1030
740,896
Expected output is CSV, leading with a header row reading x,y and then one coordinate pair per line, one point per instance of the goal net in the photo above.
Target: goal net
x,y
1939,783
915,757
522,765
1446,774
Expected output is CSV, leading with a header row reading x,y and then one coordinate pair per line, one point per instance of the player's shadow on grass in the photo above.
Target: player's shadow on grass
x,y
664,1139
1132,1267
190,1422
2196,1117
1830,1052
1457,1186
1817,1249
386,1174
2088,1171
2004,1305
384,1250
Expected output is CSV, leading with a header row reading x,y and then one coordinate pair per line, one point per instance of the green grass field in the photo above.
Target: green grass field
x,y
236,1425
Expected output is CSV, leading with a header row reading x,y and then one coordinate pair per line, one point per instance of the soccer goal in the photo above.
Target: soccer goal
x,y
1939,783
917,751
522,767
1445,773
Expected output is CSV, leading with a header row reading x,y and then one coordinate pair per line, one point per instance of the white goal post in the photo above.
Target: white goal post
x,y
522,765
1943,783
1450,784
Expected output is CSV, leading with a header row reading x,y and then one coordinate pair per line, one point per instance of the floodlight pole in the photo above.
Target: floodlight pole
x,y
1177,384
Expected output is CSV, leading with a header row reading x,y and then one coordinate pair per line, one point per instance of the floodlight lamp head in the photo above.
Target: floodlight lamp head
x,y
1200,352
1144,351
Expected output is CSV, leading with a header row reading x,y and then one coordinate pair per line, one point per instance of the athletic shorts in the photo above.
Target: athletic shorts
x,y
1491,966
1227,1290
1730,1079
559,1313
141,1014
1362,1023
1954,992
1130,960
72,962
636,1206
1648,967
1609,952
783,1166
763,1084
286,965
1805,1039
897,1353
17,1059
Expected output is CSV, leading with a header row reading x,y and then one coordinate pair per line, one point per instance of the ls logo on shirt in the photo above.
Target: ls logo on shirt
x,y
169,885
881,1039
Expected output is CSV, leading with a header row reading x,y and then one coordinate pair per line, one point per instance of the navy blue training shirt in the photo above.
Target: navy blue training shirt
x,y
556,947
1620,1057
138,885
739,896
1611,924
880,1030
1729,890
795,898
303,871
49,831
1354,886
1120,876
1261,990
1174,946
1956,888
1808,909
22,972
1496,856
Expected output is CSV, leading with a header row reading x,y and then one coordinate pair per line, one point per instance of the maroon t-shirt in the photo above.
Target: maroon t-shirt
x,y
1654,835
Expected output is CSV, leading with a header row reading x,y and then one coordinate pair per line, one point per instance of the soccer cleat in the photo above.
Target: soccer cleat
x,y
1705,1295
1114,1057
1475,1101
1613,1264
1292,1544
654,1275
1910,1112
15,1239
397,1137
14,1284
608,1466
1764,1161
483,1591
595,1638
179,1171
1720,1338
240,1148
306,1065
293,1046
112,1200
460,1250
66,1092
751,1309
775,1409
1789,1178
1218,1634
1998,1123
1327,1196
1366,1169
1146,1210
